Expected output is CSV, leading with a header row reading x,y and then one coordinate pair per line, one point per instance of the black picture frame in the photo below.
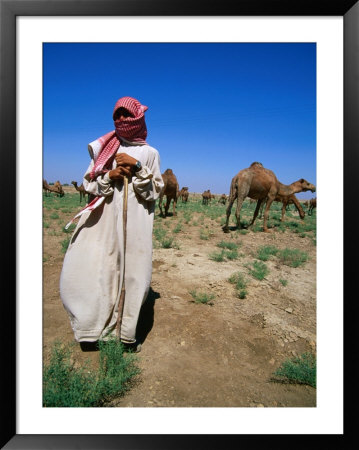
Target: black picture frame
x,y
9,10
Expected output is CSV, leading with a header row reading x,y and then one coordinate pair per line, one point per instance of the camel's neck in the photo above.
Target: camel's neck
x,y
288,189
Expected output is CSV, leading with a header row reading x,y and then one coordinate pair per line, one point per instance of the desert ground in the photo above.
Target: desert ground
x,y
221,353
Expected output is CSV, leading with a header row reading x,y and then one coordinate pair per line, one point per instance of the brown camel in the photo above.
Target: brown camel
x,y
183,194
312,205
56,188
46,187
170,190
222,199
206,197
286,200
260,184
81,189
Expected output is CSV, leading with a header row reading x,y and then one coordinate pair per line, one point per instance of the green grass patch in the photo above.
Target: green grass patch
x,y
240,284
217,256
54,216
159,232
168,242
231,254
178,227
283,282
258,270
227,245
65,244
292,257
54,233
65,385
266,251
187,216
301,370
204,235
201,297
257,227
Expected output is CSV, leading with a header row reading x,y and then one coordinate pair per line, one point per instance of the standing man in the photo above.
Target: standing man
x,y
91,277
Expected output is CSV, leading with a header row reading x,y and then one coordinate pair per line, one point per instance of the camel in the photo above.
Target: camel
x,y
312,205
286,200
46,187
56,188
222,199
81,190
306,203
260,184
59,189
183,194
206,197
170,190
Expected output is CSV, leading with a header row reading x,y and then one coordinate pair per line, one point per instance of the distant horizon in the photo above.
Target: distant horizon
x,y
214,108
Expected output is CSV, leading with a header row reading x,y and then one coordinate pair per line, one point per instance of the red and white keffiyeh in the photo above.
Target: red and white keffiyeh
x,y
104,149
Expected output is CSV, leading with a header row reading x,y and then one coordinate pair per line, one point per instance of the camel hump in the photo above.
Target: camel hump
x,y
168,171
256,164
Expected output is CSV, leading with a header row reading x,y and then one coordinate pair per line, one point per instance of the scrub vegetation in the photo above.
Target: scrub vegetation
x,y
201,297
301,369
65,384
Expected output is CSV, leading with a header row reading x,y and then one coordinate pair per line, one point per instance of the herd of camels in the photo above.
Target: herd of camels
x,y
256,182
57,189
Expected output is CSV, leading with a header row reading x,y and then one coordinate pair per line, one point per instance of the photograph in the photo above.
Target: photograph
x,y
177,261
217,253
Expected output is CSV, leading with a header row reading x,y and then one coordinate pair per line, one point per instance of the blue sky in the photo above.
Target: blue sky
x,y
213,108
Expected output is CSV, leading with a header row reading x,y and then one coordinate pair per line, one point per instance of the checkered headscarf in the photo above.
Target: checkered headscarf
x,y
132,129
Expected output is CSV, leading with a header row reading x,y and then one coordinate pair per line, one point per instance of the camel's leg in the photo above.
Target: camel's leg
x,y
266,213
240,200
229,209
255,214
261,210
167,205
160,205
242,192
284,206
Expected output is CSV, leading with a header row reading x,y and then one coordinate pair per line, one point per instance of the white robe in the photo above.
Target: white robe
x,y
91,277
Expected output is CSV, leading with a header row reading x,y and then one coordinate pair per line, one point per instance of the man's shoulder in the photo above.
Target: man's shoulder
x,y
152,150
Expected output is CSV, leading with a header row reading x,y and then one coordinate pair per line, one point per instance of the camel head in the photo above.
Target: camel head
x,y
305,185
74,183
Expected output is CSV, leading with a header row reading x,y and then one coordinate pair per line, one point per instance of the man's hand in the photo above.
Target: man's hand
x,y
120,172
123,159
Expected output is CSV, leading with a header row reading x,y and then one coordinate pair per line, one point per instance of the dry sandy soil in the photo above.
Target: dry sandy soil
x,y
221,354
